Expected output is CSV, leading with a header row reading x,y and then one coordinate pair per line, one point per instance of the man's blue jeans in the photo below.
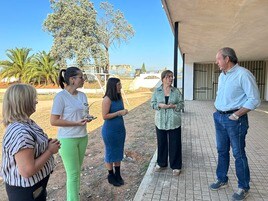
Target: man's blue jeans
x,y
232,132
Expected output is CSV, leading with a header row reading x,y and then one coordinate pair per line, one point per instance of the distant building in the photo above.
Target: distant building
x,y
121,70
10,80
137,72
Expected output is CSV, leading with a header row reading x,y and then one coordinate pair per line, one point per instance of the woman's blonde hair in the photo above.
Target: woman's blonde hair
x,y
165,73
18,103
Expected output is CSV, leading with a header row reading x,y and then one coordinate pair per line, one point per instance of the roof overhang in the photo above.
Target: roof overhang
x,y
205,26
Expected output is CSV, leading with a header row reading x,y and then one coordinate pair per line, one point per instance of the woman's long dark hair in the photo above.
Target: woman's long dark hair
x,y
111,89
65,74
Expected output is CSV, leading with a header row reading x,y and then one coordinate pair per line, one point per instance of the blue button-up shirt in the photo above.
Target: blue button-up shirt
x,y
237,88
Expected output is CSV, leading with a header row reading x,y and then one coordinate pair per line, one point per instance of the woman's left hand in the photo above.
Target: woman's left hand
x,y
171,106
53,146
123,112
165,106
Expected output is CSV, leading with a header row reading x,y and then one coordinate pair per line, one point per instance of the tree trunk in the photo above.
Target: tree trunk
x,y
107,66
98,69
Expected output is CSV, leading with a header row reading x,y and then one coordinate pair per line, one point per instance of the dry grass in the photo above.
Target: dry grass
x,y
45,103
139,148
42,114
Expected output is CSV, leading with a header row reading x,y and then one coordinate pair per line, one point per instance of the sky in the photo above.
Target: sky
x,y
21,24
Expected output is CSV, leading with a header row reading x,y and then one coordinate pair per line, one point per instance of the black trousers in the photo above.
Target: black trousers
x,y
34,193
169,144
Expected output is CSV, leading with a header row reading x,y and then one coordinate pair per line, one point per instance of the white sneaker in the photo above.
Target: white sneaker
x,y
176,172
158,168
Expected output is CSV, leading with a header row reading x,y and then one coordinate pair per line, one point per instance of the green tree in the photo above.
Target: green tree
x,y
44,69
113,29
74,27
18,64
99,58
143,69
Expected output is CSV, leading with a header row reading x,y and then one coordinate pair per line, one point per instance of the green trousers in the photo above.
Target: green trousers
x,y
72,152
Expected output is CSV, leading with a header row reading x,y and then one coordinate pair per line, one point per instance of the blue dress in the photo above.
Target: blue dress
x,y
114,134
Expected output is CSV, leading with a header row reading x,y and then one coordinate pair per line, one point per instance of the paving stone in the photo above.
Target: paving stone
x,y
199,156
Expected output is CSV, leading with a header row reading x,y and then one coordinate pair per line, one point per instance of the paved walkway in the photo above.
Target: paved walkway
x,y
200,160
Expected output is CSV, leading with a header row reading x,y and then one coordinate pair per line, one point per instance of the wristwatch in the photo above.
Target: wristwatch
x,y
235,116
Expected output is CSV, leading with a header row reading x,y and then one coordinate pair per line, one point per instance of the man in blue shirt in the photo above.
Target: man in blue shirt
x,y
237,95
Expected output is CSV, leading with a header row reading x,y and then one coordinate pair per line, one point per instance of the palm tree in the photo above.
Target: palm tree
x,y
44,69
17,65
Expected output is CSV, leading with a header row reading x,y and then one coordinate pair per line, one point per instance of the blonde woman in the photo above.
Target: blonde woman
x,y
27,155
167,102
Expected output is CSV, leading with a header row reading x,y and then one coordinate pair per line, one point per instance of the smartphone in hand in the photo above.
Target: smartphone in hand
x,y
90,118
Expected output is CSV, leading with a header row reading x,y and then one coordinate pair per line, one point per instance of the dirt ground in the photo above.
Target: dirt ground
x,y
139,148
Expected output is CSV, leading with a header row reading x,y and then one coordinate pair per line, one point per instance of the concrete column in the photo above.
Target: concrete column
x,y
189,81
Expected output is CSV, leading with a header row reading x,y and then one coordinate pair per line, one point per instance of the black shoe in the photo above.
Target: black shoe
x,y
119,179
112,180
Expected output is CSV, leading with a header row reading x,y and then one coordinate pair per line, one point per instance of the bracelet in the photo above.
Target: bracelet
x,y
235,116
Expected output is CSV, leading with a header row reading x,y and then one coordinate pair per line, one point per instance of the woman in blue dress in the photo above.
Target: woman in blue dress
x,y
113,130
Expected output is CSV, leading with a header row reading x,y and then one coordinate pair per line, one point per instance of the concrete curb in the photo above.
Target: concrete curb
x,y
146,179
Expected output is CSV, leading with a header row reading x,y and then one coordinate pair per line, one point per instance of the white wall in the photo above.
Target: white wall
x,y
189,81
141,81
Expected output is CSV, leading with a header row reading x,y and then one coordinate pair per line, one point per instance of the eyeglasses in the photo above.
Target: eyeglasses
x,y
81,77
169,76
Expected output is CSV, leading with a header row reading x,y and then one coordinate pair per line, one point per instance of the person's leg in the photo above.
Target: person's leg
x,y
117,163
117,173
43,194
162,147
15,193
175,155
223,147
111,176
82,146
237,131
109,166
33,193
69,152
